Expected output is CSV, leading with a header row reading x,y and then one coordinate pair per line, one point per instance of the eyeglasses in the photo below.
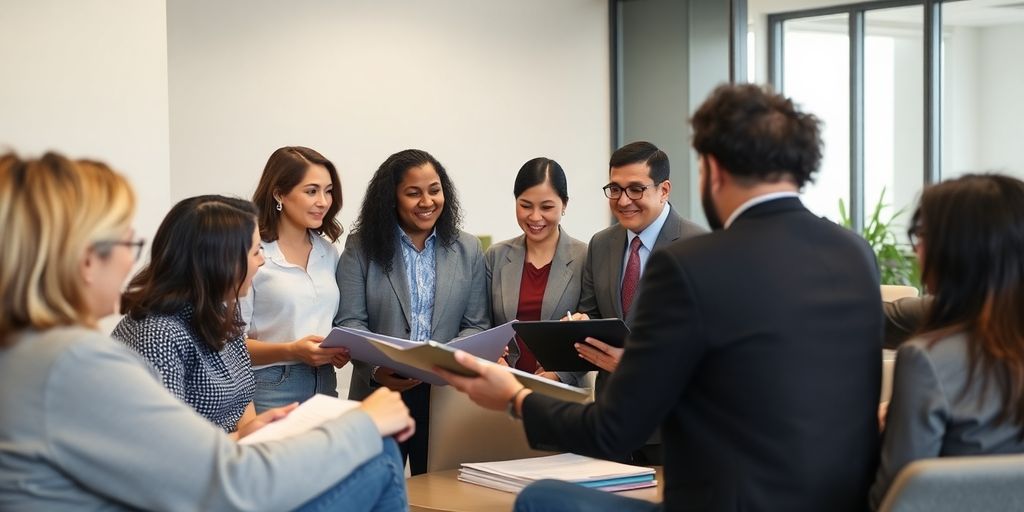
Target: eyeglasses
x,y
137,244
634,192
915,234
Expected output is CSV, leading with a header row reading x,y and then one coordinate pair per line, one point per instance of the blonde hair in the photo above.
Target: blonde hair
x,y
53,210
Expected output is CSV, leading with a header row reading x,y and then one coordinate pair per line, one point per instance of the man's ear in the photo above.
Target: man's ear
x,y
665,188
716,174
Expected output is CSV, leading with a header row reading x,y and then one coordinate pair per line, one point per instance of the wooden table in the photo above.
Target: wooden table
x,y
442,491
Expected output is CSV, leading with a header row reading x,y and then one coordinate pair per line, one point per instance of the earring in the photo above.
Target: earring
x,y
563,213
279,206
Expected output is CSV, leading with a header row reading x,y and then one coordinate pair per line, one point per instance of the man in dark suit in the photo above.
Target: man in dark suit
x,y
638,189
756,348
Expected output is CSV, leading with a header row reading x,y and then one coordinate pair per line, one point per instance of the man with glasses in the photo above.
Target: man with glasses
x,y
637,191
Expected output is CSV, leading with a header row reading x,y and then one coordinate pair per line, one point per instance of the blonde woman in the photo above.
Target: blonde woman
x,y
85,424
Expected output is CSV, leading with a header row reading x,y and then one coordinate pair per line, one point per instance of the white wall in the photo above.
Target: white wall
x,y
89,79
484,86
1000,101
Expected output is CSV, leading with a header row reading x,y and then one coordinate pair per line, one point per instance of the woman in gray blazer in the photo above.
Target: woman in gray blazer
x,y
536,276
958,389
408,271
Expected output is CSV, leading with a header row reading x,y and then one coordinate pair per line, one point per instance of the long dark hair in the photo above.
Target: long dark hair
x,y
972,230
284,171
378,215
199,258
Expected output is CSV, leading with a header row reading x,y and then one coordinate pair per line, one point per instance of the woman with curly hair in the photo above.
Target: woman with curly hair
x,y
408,271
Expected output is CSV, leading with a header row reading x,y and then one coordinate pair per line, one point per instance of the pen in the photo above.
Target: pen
x,y
569,314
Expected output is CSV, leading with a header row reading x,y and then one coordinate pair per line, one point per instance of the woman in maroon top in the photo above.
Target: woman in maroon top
x,y
536,276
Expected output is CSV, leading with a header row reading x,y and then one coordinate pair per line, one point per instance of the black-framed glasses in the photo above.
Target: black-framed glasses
x,y
634,192
137,244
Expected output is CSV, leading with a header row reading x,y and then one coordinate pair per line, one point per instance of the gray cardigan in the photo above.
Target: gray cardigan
x,y
86,425
378,302
505,261
930,416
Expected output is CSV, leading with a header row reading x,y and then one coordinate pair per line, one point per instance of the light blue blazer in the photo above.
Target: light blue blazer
x,y
379,302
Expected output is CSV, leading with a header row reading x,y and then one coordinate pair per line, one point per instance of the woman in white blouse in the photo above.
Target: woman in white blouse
x,y
294,296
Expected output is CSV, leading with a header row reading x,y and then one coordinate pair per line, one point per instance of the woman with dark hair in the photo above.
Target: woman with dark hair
x,y
958,387
90,425
181,310
408,271
294,296
536,276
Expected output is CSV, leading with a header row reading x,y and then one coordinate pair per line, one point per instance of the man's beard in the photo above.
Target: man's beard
x,y
710,213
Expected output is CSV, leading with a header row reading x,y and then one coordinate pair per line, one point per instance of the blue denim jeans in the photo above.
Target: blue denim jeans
x,y
286,383
551,495
378,486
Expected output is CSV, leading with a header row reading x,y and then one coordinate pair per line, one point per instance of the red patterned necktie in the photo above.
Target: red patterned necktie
x,y
631,278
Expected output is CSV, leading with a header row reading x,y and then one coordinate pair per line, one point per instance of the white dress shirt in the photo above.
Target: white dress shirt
x,y
647,239
286,302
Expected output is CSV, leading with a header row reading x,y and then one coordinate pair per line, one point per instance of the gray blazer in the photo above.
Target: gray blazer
x,y
504,261
374,301
602,274
931,415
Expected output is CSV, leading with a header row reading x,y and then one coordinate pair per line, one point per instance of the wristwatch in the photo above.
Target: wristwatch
x,y
512,404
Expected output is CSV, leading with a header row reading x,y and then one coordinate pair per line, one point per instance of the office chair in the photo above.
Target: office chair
x,y
947,484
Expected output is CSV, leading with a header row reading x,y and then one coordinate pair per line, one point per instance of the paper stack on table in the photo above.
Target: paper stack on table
x,y
513,475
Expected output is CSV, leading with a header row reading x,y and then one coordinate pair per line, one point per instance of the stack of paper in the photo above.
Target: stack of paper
x,y
513,475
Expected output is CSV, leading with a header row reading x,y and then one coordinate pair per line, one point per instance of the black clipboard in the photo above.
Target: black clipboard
x,y
551,341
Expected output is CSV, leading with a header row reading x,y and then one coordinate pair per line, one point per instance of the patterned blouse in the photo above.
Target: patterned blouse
x,y
218,385
421,272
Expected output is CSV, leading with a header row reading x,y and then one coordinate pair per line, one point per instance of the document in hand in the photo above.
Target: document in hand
x,y
424,357
513,475
308,415
488,345
552,341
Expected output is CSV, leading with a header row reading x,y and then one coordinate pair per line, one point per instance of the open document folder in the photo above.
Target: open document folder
x,y
513,475
426,356
488,345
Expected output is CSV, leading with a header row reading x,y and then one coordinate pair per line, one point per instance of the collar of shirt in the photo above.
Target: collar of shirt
x,y
754,201
407,241
650,234
272,251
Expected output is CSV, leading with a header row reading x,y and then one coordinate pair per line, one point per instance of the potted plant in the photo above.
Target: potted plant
x,y
897,263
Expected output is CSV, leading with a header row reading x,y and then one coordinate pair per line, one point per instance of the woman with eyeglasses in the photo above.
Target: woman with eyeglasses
x,y
409,272
958,386
294,297
86,423
537,275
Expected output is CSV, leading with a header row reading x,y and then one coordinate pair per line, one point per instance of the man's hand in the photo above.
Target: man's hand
x,y
600,353
492,388
393,381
